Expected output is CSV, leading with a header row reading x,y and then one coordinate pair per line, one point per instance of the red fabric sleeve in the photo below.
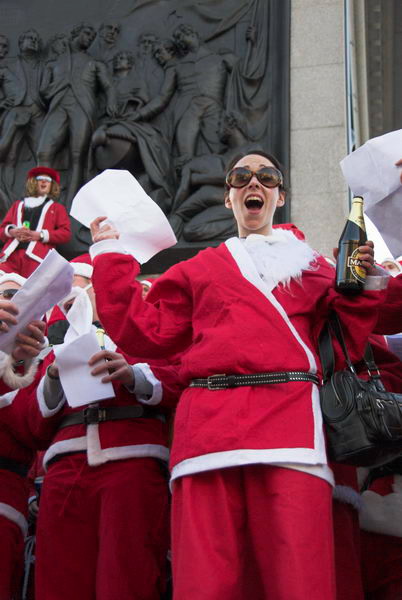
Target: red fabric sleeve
x,y
157,327
390,315
358,315
9,219
61,233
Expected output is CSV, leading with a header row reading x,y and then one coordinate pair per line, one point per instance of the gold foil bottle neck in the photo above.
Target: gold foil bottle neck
x,y
356,213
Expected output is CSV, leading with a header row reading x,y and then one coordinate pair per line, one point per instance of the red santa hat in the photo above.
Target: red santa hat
x,y
36,171
14,277
82,265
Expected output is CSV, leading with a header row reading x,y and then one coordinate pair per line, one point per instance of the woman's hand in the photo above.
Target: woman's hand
x,y
116,367
103,232
366,255
30,344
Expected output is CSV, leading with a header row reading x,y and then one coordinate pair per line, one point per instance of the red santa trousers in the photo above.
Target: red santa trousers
x,y
19,262
11,558
349,582
252,532
102,531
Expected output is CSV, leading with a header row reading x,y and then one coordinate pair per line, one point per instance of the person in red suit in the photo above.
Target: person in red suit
x,y
18,435
34,225
105,482
251,511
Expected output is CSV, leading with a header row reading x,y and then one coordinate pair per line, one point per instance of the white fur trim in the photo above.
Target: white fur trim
x,y
98,455
34,201
10,249
7,399
156,384
7,229
44,410
106,246
382,514
15,516
301,459
82,269
46,236
134,451
279,257
14,277
347,495
16,381
73,445
31,245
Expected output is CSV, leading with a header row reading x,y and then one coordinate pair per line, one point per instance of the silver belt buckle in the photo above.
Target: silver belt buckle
x,y
214,387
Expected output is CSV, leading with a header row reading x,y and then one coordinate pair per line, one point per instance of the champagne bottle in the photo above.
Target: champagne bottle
x,y
350,274
100,334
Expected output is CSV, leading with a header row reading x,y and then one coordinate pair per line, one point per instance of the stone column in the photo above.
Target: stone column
x,y
318,137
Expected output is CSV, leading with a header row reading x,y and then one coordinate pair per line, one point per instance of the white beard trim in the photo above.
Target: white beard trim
x,y
16,381
279,257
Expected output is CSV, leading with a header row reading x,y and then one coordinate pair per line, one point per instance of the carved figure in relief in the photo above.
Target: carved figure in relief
x,y
23,109
70,87
104,47
121,142
199,78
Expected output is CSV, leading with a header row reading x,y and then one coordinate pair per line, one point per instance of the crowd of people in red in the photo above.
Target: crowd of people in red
x,y
185,482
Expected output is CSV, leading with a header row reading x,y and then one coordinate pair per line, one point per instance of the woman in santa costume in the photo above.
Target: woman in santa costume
x,y
252,489
34,225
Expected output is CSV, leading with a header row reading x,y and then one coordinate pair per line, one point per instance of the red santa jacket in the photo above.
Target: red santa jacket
x,y
114,440
219,314
54,222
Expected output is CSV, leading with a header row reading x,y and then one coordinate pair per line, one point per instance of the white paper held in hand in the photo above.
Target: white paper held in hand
x,y
116,194
47,285
79,386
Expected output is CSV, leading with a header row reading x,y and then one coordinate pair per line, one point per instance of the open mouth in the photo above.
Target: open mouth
x,y
254,203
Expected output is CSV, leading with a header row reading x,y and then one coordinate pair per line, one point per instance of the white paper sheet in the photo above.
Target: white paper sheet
x,y
47,285
370,172
116,194
80,387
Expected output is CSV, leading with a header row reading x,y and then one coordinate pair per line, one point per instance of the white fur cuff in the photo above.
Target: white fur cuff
x,y
15,380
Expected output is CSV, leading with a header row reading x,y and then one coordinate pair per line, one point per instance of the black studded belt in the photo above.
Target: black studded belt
x,y
223,382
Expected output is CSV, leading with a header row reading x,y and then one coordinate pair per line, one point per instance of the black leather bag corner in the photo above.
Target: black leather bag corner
x,y
363,421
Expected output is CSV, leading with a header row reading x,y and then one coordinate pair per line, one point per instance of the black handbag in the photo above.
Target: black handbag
x,y
363,421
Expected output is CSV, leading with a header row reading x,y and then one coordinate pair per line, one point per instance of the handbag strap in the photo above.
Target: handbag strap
x,y
327,352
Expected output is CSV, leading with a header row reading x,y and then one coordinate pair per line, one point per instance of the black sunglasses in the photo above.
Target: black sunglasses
x,y
269,177
8,294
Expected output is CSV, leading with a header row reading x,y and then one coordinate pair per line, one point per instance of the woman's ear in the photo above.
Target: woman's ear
x,y
228,202
281,199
